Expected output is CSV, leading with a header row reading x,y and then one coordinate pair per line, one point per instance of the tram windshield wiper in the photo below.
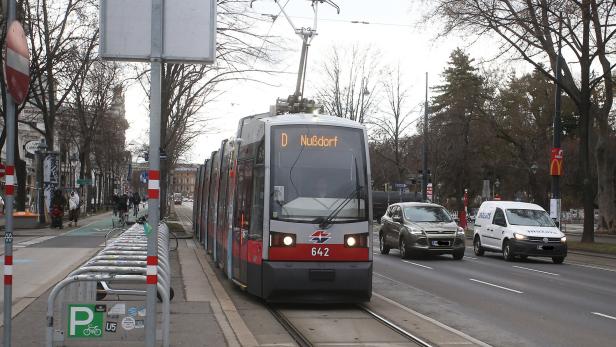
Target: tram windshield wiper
x,y
325,222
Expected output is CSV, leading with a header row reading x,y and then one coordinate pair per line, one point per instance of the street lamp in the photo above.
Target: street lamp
x,y
364,91
73,159
40,195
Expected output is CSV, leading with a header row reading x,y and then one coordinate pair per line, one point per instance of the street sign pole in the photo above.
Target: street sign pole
x,y
424,173
154,173
9,198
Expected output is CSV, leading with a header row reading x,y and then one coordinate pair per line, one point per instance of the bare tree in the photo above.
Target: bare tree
x,y
530,30
91,100
56,30
350,80
187,88
392,125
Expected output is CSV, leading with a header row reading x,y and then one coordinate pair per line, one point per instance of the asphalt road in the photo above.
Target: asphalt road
x,y
522,303
530,303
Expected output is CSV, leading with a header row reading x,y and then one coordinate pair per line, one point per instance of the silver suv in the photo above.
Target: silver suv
x,y
418,228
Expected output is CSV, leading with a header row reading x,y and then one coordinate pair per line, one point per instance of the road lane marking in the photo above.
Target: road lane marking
x,y
497,286
529,269
410,262
604,315
473,258
593,267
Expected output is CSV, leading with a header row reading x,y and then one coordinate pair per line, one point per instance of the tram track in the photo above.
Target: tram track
x,y
395,327
291,324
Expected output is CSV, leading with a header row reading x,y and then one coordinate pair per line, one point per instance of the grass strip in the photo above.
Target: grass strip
x,y
596,247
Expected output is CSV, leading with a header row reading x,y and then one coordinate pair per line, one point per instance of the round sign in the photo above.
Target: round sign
x,y
32,146
128,323
17,63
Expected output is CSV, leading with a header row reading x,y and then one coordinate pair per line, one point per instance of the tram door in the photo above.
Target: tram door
x,y
242,216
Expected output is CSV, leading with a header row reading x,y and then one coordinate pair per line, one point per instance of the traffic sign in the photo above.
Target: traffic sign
x,y
17,63
429,191
85,321
84,181
144,177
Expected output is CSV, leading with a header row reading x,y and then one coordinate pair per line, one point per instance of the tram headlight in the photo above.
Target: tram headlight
x,y
356,240
281,239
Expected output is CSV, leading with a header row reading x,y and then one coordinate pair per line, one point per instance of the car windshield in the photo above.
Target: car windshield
x,y
526,217
431,214
315,170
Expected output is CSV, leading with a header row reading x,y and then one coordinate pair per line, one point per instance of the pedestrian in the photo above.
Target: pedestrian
x,y
136,200
73,208
58,202
114,202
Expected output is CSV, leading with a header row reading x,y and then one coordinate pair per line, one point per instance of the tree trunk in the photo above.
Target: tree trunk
x,y
20,173
606,166
588,235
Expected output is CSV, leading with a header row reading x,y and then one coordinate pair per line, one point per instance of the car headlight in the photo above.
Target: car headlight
x,y
416,231
563,239
520,236
460,231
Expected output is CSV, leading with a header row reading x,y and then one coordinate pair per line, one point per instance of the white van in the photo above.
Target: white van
x,y
517,229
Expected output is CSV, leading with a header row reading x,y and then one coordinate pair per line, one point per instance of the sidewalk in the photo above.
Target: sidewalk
x,y
47,231
202,313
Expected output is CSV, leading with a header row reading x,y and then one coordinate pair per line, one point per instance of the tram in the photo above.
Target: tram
x,y
284,208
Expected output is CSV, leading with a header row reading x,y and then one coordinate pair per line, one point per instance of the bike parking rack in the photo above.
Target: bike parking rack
x,y
122,261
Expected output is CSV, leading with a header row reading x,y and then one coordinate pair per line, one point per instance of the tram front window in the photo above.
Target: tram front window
x,y
318,172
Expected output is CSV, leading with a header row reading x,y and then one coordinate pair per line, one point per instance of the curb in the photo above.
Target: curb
x,y
592,254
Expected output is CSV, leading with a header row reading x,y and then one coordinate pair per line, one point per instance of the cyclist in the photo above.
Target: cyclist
x,y
135,200
122,204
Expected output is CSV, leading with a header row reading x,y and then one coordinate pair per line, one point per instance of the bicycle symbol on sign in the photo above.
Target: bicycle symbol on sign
x,y
92,330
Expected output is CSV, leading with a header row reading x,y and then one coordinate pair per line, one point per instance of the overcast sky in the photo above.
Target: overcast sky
x,y
394,30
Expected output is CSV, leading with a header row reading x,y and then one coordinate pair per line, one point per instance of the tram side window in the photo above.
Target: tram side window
x,y
244,194
256,228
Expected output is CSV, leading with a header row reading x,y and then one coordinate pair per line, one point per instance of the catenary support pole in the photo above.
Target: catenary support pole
x,y
154,173
555,202
9,200
424,173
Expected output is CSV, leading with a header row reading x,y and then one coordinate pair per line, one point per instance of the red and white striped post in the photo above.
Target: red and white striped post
x,y
154,173
17,72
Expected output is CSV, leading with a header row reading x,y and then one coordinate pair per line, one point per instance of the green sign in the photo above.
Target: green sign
x,y
84,181
85,320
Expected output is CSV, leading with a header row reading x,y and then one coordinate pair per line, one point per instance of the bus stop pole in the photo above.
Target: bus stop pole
x,y
154,173
9,199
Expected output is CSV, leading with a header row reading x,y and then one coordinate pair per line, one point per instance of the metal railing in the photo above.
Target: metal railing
x,y
123,260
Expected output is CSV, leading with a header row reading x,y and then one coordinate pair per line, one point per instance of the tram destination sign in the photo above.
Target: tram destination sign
x,y
315,137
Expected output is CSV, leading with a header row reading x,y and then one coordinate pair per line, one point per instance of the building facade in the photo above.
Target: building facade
x,y
183,179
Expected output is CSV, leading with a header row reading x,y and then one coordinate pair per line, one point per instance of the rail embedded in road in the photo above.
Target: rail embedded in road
x,y
343,319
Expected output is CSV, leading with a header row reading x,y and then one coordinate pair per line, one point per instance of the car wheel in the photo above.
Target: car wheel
x,y
477,247
458,255
558,260
382,246
507,254
404,253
